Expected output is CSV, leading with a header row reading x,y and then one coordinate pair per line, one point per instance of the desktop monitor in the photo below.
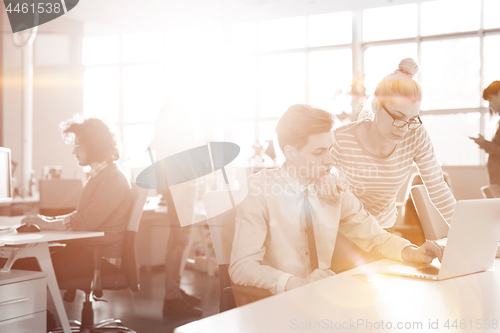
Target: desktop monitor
x,y
5,176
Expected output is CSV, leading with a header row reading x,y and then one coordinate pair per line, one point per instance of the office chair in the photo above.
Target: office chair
x,y
221,225
491,191
433,223
113,277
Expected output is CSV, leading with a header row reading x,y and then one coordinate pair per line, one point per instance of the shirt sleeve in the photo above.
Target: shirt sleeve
x,y
106,197
432,175
248,246
335,149
364,230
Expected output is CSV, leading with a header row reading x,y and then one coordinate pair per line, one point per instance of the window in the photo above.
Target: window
x,y
136,138
448,81
241,92
491,10
491,59
268,133
450,137
281,83
141,93
101,50
243,37
244,136
282,34
330,29
390,22
238,78
447,16
330,77
142,46
383,60
101,93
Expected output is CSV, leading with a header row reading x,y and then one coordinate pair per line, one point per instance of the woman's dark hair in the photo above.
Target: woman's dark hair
x,y
301,121
96,138
491,90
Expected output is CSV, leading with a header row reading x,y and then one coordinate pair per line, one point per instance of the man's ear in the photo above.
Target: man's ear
x,y
290,152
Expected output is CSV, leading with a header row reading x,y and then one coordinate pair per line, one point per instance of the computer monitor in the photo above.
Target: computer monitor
x,y
5,176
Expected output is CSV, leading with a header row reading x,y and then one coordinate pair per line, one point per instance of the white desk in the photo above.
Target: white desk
x,y
23,245
344,300
23,300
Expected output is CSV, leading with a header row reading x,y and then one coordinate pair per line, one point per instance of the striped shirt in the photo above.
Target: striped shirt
x,y
376,181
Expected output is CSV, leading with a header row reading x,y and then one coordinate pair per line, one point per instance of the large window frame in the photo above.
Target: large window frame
x,y
358,47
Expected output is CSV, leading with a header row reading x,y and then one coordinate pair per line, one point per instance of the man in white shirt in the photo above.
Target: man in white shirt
x,y
285,232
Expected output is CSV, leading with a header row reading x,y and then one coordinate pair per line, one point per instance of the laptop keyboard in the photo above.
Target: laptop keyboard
x,y
433,270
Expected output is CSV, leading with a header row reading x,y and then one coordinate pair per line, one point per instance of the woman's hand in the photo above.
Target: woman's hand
x,y
425,253
329,188
480,140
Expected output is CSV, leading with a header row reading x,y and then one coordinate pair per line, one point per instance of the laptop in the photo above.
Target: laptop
x,y
471,245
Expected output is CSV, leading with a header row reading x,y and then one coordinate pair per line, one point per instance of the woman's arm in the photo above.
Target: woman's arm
x,y
432,175
490,147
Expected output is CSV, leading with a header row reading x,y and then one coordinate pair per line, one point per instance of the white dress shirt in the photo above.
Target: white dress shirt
x,y
270,241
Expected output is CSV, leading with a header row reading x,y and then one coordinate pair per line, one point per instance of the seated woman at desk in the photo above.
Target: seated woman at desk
x,y
375,154
104,205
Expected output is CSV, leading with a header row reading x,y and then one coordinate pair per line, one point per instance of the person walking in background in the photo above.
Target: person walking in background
x,y
492,95
174,133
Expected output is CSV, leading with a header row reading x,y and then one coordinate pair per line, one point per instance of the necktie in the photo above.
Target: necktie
x,y
306,210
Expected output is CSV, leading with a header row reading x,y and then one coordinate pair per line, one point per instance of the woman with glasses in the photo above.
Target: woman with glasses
x,y
375,154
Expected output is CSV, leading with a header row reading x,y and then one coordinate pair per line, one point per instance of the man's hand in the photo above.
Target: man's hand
x,y
316,275
45,222
424,254
329,188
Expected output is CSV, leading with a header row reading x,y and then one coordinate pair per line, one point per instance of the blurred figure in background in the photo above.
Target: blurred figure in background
x,y
174,133
492,95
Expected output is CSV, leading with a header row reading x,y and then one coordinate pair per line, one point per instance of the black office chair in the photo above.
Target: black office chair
x,y
108,276
222,232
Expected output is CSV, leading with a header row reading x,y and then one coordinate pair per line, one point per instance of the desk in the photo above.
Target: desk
x,y
23,300
346,300
16,245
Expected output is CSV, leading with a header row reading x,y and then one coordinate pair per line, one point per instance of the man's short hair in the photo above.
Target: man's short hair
x,y
96,138
491,90
301,121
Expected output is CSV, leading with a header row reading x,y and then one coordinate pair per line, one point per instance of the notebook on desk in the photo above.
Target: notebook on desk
x,y
471,245
59,196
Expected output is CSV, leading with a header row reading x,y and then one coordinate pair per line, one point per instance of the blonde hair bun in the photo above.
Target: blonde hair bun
x,y
408,66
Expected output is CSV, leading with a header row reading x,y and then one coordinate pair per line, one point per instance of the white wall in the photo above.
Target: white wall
x,y
57,93
12,90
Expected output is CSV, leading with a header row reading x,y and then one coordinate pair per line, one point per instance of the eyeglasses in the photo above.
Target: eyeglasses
x,y
400,123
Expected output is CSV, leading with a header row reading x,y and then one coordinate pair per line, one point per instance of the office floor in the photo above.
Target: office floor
x,y
142,311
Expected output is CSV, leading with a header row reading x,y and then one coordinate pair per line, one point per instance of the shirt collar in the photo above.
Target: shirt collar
x,y
297,187
97,169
